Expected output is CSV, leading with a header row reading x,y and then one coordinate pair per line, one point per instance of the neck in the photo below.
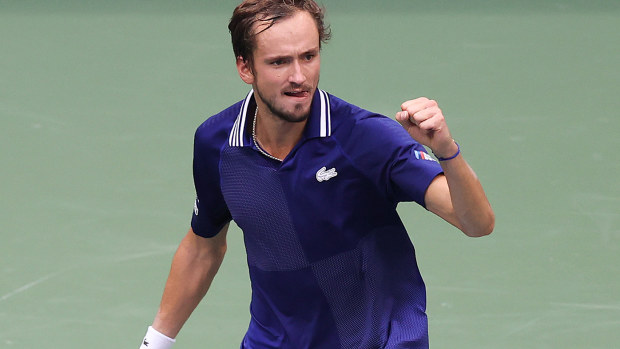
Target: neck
x,y
276,136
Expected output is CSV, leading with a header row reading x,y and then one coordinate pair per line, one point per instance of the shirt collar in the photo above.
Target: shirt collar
x,y
319,121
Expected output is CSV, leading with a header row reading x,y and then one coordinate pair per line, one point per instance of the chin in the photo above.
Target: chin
x,y
293,117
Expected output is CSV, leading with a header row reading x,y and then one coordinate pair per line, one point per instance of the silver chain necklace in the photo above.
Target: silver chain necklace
x,y
258,146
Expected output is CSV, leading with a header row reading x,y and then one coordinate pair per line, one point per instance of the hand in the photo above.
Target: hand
x,y
424,121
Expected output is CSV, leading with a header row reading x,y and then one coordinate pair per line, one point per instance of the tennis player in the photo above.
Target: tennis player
x,y
313,182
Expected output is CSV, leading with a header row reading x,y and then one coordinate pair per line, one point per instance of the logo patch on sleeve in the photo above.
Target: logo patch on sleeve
x,y
420,155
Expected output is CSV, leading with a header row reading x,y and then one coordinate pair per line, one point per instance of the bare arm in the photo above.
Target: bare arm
x,y
457,196
194,266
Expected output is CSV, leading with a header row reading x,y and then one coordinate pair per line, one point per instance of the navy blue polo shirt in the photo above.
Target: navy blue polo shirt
x,y
330,262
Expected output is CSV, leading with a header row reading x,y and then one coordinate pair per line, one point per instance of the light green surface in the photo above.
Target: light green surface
x,y
99,102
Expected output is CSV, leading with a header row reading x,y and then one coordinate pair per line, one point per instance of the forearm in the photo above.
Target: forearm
x,y
471,207
191,275
457,196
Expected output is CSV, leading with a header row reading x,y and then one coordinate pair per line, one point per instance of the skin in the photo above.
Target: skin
x,y
285,73
194,266
457,196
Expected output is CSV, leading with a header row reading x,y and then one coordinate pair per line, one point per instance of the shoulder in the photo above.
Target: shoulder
x,y
363,127
214,131
344,112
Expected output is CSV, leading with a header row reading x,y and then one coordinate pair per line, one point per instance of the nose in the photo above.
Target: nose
x,y
297,75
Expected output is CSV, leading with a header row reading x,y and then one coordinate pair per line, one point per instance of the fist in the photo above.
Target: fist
x,y
424,121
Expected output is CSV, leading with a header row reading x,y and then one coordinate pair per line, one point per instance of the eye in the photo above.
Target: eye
x,y
278,62
309,56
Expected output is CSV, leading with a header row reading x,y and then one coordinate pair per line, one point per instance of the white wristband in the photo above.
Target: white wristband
x,y
156,340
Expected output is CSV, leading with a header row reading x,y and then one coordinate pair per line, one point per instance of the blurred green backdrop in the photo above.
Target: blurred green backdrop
x,y
99,102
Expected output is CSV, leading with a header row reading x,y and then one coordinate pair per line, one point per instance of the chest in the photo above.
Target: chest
x,y
314,204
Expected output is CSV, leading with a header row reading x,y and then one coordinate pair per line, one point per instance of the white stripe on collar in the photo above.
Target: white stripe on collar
x,y
326,122
236,134
236,137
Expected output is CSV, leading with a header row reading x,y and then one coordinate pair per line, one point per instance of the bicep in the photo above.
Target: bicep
x,y
207,247
438,200
197,260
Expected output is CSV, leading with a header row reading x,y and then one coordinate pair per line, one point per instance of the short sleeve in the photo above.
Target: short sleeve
x,y
210,211
394,161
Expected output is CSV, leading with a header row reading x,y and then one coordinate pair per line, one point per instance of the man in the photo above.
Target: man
x,y
314,182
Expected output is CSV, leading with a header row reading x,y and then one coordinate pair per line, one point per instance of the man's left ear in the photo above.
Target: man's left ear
x,y
245,70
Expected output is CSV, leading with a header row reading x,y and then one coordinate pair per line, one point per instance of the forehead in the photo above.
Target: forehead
x,y
295,34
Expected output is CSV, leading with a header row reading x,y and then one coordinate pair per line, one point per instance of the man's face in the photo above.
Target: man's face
x,y
286,67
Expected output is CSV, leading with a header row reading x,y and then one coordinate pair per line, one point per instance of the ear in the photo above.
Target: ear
x,y
245,70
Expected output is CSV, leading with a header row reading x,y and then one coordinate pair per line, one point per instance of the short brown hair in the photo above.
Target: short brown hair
x,y
249,12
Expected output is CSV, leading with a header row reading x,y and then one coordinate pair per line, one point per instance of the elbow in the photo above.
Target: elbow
x,y
477,233
483,227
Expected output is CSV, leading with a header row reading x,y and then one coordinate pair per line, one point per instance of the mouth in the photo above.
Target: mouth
x,y
297,93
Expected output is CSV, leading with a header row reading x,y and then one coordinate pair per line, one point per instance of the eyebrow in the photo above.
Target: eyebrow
x,y
314,50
